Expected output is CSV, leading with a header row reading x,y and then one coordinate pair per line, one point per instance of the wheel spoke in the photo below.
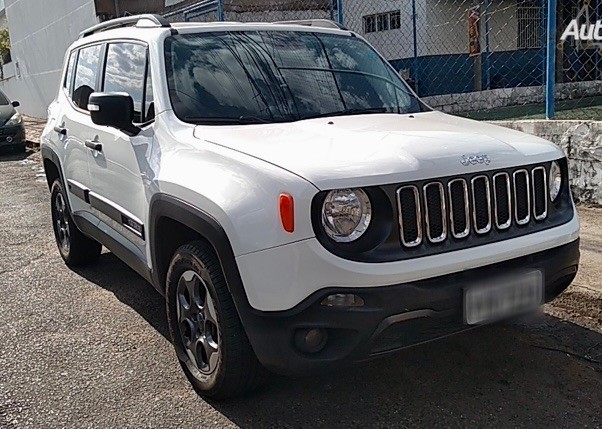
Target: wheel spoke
x,y
211,350
209,309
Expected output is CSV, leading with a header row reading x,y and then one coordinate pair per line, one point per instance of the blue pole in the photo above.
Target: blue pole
x,y
331,9
415,37
340,11
220,10
597,54
551,60
487,48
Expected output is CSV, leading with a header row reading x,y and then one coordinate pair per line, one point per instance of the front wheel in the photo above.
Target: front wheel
x,y
207,334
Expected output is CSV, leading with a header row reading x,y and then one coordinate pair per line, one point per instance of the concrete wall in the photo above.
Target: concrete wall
x,y
494,98
582,142
40,33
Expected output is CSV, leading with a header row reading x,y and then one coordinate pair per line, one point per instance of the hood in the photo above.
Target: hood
x,y
368,150
6,112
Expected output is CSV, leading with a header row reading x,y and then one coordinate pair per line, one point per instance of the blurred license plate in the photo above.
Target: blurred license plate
x,y
503,298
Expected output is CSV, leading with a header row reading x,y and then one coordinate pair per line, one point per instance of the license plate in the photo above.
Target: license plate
x,y
502,298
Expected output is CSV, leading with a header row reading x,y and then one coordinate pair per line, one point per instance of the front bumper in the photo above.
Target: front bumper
x,y
12,136
393,317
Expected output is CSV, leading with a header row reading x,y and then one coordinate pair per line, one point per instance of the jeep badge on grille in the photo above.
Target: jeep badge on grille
x,y
475,159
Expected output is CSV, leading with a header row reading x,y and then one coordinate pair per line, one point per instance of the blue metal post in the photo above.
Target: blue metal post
x,y
340,11
487,64
220,10
597,54
415,38
331,9
551,60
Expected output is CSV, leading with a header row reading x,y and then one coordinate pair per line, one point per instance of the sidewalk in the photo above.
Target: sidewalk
x,y
33,130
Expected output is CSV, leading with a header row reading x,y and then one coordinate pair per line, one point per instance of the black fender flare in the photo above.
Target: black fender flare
x,y
50,155
167,206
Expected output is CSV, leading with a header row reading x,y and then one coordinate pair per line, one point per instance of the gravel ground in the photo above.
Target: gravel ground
x,y
90,349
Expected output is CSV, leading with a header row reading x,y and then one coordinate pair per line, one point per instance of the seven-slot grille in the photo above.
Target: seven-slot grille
x,y
458,207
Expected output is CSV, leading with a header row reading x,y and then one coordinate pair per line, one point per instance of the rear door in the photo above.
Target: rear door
x,y
73,123
118,171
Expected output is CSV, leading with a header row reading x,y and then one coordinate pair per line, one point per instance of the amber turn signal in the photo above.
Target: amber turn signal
x,y
287,212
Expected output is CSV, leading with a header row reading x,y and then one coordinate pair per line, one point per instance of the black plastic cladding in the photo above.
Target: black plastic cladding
x,y
382,241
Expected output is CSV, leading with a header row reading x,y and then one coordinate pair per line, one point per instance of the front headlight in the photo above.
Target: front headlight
x,y
555,180
16,119
346,214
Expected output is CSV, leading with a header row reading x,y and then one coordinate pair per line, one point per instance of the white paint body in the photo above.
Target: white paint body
x,y
236,174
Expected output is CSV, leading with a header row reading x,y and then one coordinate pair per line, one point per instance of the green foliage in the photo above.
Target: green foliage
x,y
4,42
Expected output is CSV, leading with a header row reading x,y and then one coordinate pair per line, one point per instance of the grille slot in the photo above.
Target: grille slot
x,y
410,223
502,196
540,197
435,212
481,204
522,197
459,206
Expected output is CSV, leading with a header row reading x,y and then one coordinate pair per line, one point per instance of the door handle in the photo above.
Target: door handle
x,y
93,145
62,131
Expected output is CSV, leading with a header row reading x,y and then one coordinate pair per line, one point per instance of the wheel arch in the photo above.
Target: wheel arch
x,y
174,222
52,166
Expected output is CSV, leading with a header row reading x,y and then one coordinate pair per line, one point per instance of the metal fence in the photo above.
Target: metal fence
x,y
488,59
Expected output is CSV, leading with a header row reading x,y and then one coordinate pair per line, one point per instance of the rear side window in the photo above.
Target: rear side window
x,y
69,74
149,111
125,72
86,75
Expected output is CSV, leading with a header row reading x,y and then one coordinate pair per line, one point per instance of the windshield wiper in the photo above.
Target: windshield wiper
x,y
241,120
350,112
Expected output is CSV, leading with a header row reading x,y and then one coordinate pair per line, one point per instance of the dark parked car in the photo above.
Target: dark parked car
x,y
12,130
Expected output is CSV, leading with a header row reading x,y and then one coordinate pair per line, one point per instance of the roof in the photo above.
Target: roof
x,y
147,27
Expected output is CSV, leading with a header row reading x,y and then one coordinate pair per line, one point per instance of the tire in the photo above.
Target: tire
x,y
206,332
75,248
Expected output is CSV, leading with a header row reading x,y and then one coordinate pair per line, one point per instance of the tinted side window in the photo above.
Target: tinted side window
x,y
149,109
125,72
69,74
86,75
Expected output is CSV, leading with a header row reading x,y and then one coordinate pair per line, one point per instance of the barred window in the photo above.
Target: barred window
x,y
369,24
395,20
382,21
529,25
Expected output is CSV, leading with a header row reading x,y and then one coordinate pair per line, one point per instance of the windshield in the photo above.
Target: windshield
x,y
4,101
279,76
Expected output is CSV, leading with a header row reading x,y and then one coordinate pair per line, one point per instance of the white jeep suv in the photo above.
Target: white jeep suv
x,y
295,202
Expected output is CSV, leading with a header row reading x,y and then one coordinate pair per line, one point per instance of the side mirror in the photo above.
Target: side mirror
x,y
113,109
15,104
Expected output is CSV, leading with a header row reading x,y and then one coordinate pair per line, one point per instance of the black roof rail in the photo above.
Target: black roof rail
x,y
133,20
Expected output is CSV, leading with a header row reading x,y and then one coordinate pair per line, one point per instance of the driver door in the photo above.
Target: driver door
x,y
118,162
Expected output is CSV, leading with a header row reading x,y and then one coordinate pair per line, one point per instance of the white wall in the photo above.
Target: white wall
x,y
40,33
446,31
393,44
441,25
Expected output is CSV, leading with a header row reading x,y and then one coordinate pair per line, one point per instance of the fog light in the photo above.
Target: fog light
x,y
311,340
343,300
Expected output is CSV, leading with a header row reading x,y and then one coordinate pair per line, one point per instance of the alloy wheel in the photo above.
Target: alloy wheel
x,y
62,223
197,321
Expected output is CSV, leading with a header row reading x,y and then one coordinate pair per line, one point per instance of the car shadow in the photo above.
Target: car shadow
x,y
10,154
111,274
537,372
